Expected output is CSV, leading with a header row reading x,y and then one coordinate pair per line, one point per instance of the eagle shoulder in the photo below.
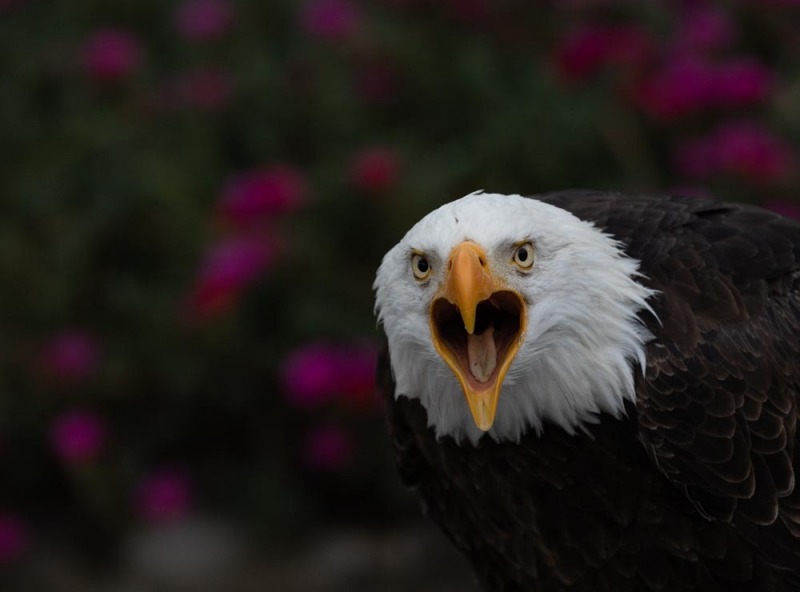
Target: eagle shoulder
x,y
718,405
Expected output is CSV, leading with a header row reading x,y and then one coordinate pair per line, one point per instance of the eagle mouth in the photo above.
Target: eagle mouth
x,y
481,358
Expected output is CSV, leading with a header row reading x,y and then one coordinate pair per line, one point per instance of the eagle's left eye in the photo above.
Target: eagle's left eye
x,y
523,256
420,266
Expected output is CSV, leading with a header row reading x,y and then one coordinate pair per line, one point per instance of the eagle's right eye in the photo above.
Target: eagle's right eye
x,y
420,266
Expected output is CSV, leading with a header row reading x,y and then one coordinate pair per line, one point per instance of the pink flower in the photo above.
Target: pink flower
x,y
319,373
688,84
683,86
704,28
311,374
739,148
331,20
584,51
375,169
70,356
202,20
229,267
587,49
357,377
327,448
13,538
111,54
751,151
78,437
164,496
254,195
742,82
205,89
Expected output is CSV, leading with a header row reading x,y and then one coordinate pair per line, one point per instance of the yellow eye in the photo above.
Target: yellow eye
x,y
523,256
420,266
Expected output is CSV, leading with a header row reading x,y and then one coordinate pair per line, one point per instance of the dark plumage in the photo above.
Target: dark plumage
x,y
695,488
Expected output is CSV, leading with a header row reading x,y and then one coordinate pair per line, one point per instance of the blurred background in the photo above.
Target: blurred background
x,y
195,196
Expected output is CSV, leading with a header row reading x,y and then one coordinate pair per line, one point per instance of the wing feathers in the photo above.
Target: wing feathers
x,y
719,403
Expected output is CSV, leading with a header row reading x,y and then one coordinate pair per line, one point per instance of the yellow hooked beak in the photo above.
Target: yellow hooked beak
x,y
477,325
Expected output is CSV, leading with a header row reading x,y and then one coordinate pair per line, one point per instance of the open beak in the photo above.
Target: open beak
x,y
477,326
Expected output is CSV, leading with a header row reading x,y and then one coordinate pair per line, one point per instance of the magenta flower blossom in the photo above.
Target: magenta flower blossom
x,y
164,496
319,373
70,356
328,448
687,84
587,49
705,29
229,267
583,51
683,85
311,374
751,151
205,89
78,437
375,169
13,538
357,372
742,82
741,149
203,20
331,20
252,196
111,54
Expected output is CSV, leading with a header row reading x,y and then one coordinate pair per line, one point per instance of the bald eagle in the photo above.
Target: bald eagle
x,y
593,391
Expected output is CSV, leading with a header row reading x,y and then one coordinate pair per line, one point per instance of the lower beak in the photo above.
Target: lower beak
x,y
477,326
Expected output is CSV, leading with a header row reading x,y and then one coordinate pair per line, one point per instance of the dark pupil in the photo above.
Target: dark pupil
x,y
522,254
422,265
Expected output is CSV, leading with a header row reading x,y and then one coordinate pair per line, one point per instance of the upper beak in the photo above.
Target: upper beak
x,y
477,325
468,281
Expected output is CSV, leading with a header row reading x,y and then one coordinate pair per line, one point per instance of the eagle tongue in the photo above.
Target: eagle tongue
x,y
482,354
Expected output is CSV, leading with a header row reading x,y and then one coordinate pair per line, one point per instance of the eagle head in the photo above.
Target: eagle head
x,y
502,312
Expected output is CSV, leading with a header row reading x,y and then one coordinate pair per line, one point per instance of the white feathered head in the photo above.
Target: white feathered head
x,y
502,312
